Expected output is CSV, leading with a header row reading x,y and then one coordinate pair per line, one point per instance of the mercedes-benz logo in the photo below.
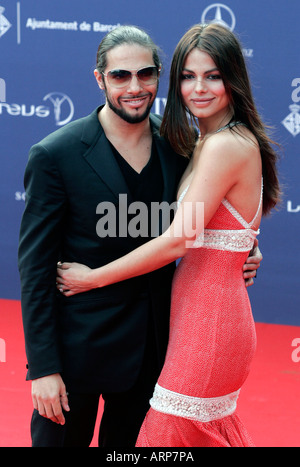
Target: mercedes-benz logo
x,y
220,14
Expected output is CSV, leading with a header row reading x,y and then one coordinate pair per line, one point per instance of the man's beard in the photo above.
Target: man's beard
x,y
124,115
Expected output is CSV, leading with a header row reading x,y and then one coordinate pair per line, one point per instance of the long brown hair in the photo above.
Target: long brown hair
x,y
177,125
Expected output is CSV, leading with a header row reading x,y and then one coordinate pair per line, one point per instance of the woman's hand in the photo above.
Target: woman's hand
x,y
74,278
252,264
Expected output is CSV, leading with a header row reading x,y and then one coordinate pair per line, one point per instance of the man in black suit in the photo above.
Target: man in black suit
x,y
109,341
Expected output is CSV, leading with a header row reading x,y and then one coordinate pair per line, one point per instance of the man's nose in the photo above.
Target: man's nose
x,y
134,84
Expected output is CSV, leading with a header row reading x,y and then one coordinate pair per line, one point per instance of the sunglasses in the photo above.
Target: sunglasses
x,y
121,78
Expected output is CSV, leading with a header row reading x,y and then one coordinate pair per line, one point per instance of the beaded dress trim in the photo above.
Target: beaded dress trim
x,y
193,408
227,240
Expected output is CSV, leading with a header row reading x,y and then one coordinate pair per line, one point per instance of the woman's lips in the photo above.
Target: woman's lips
x,y
202,102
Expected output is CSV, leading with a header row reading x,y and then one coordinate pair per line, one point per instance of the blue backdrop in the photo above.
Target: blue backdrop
x,y
47,52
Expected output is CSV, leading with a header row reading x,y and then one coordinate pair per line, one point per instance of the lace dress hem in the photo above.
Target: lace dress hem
x,y
193,408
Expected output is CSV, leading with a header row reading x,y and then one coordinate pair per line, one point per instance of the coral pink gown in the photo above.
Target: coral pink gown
x,y
211,345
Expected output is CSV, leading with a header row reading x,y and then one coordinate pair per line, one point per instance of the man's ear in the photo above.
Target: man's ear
x,y
99,79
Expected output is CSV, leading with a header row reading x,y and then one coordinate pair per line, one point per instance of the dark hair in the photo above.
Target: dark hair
x,y
224,48
125,35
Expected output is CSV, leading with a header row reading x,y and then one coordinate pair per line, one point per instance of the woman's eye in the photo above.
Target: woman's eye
x,y
214,77
188,77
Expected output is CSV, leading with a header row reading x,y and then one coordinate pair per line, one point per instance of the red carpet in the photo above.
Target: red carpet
x,y
268,405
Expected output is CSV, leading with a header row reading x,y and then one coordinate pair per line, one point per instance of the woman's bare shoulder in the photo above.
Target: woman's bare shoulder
x,y
233,143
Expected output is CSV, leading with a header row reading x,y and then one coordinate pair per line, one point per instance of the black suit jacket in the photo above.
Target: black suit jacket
x,y
94,339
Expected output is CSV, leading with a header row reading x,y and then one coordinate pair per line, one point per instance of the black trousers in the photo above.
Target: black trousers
x,y
122,417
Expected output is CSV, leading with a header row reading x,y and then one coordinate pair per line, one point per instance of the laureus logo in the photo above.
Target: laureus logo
x,y
63,107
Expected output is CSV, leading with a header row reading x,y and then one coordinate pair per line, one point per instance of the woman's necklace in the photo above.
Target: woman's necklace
x,y
229,125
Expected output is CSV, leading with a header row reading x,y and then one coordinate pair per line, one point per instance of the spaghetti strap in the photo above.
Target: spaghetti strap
x,y
260,203
238,216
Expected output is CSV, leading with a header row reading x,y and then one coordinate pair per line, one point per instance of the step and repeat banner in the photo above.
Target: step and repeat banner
x,y
47,56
